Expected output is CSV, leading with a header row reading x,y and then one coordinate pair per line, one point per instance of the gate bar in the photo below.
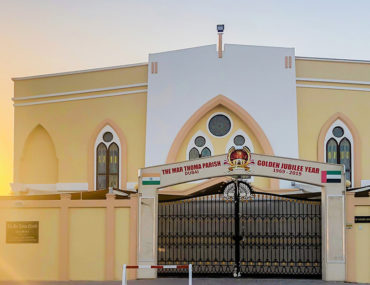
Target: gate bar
x,y
125,267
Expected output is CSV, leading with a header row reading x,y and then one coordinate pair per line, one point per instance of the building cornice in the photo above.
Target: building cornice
x,y
333,81
81,98
79,92
332,59
332,87
79,71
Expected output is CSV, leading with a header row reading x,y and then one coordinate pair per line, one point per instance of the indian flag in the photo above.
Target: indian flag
x,y
151,179
331,176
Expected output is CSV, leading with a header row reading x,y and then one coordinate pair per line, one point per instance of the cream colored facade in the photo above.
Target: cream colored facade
x,y
60,117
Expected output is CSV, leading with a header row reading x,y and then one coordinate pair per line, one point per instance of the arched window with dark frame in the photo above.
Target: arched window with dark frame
x,y
338,150
199,146
107,163
101,166
345,156
205,152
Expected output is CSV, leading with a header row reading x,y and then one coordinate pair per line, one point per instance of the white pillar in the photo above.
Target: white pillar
x,y
333,232
148,216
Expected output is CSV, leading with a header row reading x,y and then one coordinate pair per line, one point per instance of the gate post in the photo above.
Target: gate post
x,y
147,245
333,232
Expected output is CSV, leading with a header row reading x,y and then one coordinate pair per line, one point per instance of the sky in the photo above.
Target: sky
x,y
49,36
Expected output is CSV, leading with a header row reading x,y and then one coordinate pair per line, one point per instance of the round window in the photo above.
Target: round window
x,y
108,137
200,141
338,132
239,140
219,125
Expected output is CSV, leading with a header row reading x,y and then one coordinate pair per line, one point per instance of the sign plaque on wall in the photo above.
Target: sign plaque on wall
x,y
362,219
22,232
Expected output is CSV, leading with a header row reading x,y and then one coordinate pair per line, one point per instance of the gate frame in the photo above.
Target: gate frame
x,y
332,202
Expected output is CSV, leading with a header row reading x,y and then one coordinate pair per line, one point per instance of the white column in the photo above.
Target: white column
x,y
148,217
333,232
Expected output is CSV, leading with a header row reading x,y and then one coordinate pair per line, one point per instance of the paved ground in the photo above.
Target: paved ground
x,y
184,281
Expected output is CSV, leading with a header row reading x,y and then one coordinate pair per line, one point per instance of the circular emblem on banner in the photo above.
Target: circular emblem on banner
x,y
239,158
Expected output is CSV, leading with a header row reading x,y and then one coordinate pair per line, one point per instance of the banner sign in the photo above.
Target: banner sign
x,y
22,232
240,162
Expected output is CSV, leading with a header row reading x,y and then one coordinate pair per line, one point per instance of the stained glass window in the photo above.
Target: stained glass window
x,y
200,141
205,152
107,163
338,132
345,156
340,153
332,151
108,137
219,125
239,140
101,165
193,153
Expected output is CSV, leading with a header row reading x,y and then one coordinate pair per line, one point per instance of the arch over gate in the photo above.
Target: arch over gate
x,y
241,163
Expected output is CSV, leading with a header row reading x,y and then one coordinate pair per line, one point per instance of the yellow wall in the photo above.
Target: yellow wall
x,y
81,81
219,144
39,163
362,232
122,240
315,106
87,244
33,261
72,124
332,70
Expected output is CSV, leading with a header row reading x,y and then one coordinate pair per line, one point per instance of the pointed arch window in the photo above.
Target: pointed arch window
x,y
107,159
199,146
205,152
239,139
339,147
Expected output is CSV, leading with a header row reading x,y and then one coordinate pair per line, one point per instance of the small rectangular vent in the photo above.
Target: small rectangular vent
x,y
154,67
288,62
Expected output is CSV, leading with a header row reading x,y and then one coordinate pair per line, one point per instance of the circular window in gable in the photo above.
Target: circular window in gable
x,y
219,125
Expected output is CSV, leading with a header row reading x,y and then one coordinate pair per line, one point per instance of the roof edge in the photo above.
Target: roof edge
x,y
78,71
333,59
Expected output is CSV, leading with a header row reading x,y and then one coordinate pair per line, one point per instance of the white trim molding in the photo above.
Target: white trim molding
x,y
81,98
80,91
333,59
79,71
333,87
332,81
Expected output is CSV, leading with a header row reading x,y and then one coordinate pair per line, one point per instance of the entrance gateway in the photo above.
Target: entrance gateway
x,y
242,231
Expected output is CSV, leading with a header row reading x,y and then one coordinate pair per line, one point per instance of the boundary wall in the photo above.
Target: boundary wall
x,y
357,239
77,240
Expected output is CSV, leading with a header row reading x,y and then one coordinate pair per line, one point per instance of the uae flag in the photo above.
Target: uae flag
x,y
331,176
151,179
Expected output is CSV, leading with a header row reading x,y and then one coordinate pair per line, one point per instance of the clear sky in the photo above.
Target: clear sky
x,y
48,36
